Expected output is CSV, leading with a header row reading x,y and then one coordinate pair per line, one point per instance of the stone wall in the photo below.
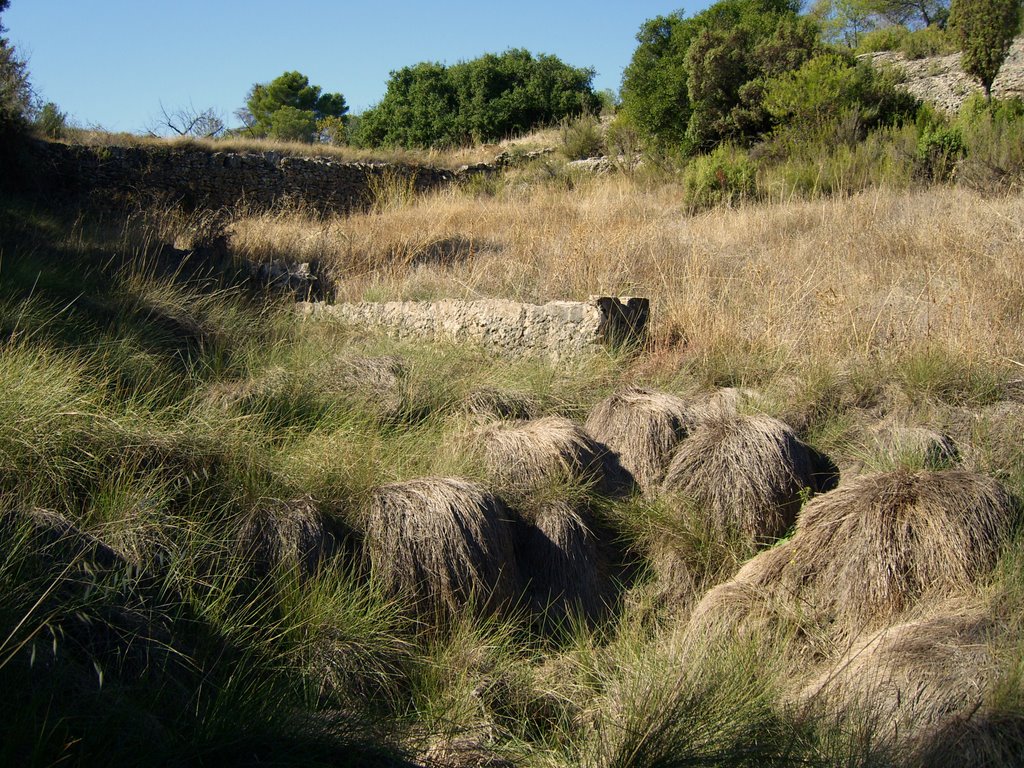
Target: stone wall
x,y
557,329
199,177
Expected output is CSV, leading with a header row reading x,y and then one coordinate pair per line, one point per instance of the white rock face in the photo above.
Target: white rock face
x,y
940,80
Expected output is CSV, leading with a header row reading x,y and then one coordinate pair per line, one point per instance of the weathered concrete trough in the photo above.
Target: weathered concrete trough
x,y
557,329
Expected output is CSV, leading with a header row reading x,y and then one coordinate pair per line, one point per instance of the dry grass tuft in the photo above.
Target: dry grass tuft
x,y
526,457
488,403
749,474
921,685
380,381
732,401
444,544
918,446
292,535
642,427
865,553
563,565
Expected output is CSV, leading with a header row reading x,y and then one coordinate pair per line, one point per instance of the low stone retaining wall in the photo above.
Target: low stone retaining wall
x,y
557,329
199,177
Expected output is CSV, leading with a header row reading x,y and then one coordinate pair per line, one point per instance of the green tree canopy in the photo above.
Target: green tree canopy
x,y
15,90
484,99
695,82
300,106
984,29
419,109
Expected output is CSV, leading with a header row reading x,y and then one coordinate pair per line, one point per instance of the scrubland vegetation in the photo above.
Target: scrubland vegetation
x,y
211,507
783,530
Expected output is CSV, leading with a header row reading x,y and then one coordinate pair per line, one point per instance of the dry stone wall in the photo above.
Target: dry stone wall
x,y
199,177
556,330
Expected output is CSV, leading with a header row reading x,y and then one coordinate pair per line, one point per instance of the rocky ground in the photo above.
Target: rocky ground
x,y
940,80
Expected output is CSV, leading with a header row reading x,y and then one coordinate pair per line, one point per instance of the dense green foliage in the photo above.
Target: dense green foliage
x,y
833,85
15,91
51,122
289,108
486,99
984,29
693,83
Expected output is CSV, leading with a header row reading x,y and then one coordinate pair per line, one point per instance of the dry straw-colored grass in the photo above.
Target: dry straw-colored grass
x,y
293,535
338,153
863,554
443,544
919,684
487,403
545,468
643,427
563,565
747,474
917,445
378,381
877,276
525,458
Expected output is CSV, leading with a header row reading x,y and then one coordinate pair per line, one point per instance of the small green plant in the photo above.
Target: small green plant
x,y
582,138
726,176
939,148
889,38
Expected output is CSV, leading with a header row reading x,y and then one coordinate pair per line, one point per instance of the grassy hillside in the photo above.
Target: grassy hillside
x,y
219,546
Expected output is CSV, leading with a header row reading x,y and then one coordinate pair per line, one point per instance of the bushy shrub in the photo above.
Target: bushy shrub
x,y
930,41
582,138
486,99
693,83
939,147
993,136
725,176
292,124
883,39
831,85
622,141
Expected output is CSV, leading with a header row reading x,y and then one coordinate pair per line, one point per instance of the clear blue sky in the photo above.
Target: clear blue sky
x,y
112,63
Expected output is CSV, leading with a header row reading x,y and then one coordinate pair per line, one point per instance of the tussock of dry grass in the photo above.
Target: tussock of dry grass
x,y
443,544
642,427
563,565
529,457
292,535
920,684
917,445
490,403
866,552
747,474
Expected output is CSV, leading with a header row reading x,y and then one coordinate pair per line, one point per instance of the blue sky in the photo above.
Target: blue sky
x,y
111,63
